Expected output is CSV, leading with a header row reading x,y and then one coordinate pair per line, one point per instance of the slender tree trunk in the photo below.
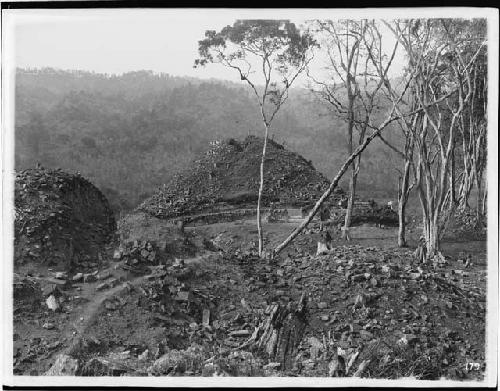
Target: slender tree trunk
x,y
402,226
479,180
465,191
484,199
350,202
466,182
452,176
261,190
431,228
429,231
433,237
403,199
478,203
354,172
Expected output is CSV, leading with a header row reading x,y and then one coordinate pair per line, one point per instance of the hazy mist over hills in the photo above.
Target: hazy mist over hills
x,y
130,133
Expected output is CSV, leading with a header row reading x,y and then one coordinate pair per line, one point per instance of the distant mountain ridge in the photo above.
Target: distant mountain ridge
x,y
130,133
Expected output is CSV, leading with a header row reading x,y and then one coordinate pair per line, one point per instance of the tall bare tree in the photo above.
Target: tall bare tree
x,y
382,62
443,77
472,136
405,184
268,55
408,117
352,87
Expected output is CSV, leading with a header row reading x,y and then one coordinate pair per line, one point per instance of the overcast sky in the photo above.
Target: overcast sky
x,y
115,41
122,40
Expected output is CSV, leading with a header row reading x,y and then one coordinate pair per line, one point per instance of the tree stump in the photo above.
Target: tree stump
x,y
180,225
283,331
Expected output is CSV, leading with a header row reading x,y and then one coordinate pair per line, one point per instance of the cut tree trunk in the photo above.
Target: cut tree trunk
x,y
282,331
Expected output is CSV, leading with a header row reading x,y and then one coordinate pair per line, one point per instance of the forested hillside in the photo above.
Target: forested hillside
x,y
130,133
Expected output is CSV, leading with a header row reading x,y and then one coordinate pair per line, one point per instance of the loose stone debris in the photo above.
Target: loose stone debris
x,y
143,308
227,175
61,218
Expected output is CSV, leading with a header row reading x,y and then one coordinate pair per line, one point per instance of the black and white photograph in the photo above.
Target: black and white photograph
x,y
298,197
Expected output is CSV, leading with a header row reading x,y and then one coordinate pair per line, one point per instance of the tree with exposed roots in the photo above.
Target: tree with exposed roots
x,y
268,55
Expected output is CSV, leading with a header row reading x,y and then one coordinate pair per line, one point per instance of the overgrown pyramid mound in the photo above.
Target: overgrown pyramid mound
x,y
61,218
227,176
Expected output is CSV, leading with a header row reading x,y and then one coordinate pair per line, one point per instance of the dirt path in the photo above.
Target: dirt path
x,y
81,319
83,316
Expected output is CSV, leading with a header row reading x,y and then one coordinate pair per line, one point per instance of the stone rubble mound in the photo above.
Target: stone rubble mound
x,y
227,176
59,218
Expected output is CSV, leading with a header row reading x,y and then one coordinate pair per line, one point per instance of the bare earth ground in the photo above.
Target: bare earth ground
x,y
369,304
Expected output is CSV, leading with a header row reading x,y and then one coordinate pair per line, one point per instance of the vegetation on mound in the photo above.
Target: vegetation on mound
x,y
228,174
60,217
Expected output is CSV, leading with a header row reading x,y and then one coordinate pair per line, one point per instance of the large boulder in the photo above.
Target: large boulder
x,y
60,217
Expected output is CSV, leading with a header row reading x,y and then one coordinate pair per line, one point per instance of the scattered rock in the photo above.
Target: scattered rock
x,y
99,366
359,301
144,355
61,275
104,275
112,282
183,296
271,366
77,277
102,286
206,317
316,347
177,361
110,305
89,277
63,366
366,335
240,333
52,303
